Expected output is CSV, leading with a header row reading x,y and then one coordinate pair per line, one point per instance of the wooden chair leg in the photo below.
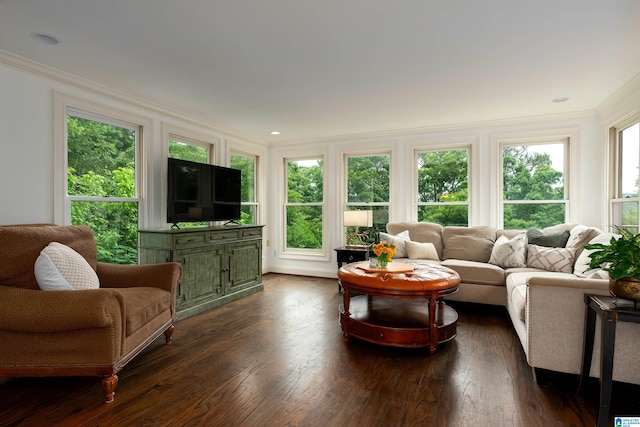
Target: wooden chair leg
x,y
109,386
168,334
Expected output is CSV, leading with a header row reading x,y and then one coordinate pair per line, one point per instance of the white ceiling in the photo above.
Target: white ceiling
x,y
318,68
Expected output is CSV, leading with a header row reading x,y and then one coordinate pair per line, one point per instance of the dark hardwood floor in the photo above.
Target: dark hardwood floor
x,y
277,358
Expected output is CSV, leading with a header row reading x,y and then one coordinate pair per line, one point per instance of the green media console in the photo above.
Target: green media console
x,y
220,264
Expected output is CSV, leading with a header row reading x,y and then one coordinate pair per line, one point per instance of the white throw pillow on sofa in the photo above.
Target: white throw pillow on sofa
x,y
581,267
398,240
417,250
510,253
551,259
60,268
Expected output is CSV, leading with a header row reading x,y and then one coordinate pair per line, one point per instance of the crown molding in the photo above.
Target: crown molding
x,y
451,127
32,67
624,101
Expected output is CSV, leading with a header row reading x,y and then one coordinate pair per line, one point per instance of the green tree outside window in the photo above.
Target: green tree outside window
x,y
101,186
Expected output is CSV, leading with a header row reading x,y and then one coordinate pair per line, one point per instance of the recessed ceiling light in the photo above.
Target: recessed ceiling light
x,y
45,39
560,99
275,132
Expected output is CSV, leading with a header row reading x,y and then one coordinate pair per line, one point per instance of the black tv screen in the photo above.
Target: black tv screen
x,y
198,192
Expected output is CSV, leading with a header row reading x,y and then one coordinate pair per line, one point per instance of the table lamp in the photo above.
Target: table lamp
x,y
357,219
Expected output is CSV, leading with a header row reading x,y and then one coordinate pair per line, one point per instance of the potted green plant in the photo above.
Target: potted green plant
x,y
621,258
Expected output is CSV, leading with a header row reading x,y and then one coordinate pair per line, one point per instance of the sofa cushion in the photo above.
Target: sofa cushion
x,y
468,243
579,236
417,250
509,233
581,267
554,240
476,272
58,268
550,259
518,300
143,305
424,232
398,240
510,253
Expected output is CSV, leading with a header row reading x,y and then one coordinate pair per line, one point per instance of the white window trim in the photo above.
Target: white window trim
x,y
571,160
64,104
343,184
323,252
256,174
466,145
613,187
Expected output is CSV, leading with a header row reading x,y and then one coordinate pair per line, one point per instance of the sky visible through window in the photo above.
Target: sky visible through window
x,y
630,160
555,151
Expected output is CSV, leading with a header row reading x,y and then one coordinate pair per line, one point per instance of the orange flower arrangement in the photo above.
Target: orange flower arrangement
x,y
384,251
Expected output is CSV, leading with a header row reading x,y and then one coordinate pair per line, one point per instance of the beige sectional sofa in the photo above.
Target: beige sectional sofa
x,y
542,287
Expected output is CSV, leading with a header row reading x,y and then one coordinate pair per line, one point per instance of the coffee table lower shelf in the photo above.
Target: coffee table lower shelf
x,y
397,322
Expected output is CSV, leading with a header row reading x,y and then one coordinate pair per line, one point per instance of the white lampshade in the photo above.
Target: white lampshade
x,y
358,219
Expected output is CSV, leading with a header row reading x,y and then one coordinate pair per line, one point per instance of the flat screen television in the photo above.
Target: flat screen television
x,y
198,192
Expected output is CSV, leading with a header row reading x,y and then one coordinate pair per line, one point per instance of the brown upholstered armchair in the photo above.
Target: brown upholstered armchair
x,y
93,332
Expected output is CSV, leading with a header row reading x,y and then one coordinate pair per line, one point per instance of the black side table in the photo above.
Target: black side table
x,y
347,255
611,310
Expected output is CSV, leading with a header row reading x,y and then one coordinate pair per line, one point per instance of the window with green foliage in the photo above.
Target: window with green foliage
x,y
443,186
533,192
248,165
368,189
188,151
304,204
102,185
625,200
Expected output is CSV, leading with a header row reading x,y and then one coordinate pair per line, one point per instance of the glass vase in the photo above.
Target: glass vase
x,y
382,262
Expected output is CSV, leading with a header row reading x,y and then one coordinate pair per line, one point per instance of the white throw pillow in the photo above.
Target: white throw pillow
x,y
579,236
581,267
551,259
510,253
398,240
60,268
417,250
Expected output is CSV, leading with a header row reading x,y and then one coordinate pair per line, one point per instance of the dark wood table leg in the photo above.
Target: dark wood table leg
x,y
433,327
606,370
587,347
346,300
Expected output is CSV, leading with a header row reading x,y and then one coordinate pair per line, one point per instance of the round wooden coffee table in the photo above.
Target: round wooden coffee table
x,y
401,306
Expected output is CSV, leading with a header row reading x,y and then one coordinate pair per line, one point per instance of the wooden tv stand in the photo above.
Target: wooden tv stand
x,y
220,264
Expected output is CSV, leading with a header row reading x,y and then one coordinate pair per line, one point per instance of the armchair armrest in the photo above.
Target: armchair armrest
x,y
28,310
164,276
587,285
555,320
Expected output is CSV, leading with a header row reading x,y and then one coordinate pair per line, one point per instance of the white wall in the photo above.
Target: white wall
x,y
27,169
27,108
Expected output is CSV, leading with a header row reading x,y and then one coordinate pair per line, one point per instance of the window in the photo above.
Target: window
x,y
179,148
102,182
248,166
368,189
304,204
624,203
443,186
533,184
